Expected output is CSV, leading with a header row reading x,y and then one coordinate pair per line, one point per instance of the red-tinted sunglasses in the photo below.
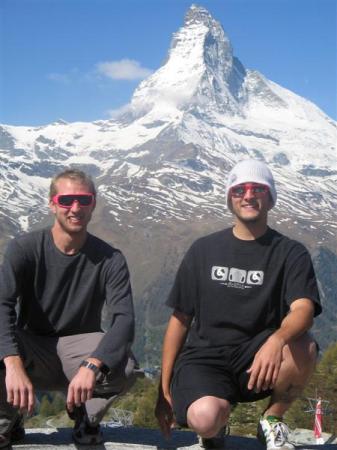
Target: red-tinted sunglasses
x,y
258,190
67,200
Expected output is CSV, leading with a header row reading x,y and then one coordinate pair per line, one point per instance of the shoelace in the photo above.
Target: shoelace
x,y
281,432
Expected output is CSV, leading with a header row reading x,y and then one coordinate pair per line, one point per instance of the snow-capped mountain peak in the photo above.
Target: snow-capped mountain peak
x,y
200,71
198,14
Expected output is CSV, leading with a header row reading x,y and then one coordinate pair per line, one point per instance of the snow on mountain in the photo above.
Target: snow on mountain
x,y
168,154
200,72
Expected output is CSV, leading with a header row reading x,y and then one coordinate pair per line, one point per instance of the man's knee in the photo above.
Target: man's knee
x,y
207,415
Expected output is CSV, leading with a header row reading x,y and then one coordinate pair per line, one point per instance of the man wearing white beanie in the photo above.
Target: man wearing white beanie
x,y
245,297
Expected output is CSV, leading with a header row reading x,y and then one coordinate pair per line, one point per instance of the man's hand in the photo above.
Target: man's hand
x,y
266,365
164,413
20,391
82,385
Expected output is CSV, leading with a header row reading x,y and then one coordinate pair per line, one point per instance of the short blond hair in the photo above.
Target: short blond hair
x,y
72,174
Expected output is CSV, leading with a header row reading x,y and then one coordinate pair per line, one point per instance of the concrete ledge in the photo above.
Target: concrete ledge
x,y
114,438
121,438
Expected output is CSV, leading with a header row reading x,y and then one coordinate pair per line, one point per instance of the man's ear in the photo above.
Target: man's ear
x,y
52,206
229,204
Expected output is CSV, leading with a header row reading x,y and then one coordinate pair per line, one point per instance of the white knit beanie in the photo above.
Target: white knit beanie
x,y
251,171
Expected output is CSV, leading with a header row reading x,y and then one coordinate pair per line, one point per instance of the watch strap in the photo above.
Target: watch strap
x,y
91,366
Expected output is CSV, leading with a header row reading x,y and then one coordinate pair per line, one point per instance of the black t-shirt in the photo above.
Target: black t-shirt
x,y
235,289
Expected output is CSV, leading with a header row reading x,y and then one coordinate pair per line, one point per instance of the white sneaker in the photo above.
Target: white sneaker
x,y
274,433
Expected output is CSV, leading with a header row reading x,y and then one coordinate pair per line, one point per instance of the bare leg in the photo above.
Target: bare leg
x,y
207,415
299,359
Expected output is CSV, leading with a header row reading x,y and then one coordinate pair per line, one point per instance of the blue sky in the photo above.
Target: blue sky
x,y
79,59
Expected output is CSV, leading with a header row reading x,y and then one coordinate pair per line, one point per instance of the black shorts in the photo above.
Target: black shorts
x,y
220,372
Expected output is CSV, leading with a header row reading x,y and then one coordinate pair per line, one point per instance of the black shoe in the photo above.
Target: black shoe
x,y
217,441
83,432
17,433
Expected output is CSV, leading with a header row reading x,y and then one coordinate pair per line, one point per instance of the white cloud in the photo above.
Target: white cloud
x,y
125,69
114,113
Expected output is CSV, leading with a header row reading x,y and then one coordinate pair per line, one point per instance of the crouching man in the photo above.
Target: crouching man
x,y
60,280
245,297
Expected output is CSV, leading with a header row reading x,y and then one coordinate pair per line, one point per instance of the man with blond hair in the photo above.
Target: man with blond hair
x,y
63,281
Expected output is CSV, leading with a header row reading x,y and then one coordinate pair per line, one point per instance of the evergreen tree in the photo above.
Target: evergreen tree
x,y
58,403
46,408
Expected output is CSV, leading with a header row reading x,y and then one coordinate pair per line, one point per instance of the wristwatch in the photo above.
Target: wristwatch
x,y
97,370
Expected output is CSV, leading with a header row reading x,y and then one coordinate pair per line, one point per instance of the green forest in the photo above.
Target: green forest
x,y
141,401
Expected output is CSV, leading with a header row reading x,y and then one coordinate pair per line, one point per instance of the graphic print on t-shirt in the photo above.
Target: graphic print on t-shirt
x,y
237,278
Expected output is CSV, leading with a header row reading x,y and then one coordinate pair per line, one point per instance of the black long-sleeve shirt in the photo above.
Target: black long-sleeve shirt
x,y
49,293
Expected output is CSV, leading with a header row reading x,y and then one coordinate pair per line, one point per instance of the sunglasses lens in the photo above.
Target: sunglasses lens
x,y
65,200
259,190
84,200
68,200
238,191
